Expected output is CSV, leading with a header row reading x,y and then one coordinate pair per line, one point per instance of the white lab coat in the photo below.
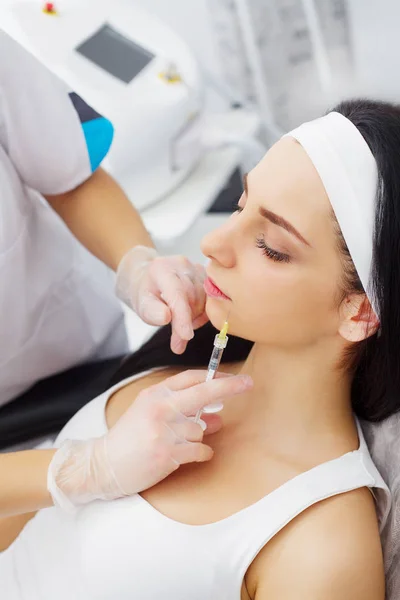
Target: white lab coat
x,y
57,305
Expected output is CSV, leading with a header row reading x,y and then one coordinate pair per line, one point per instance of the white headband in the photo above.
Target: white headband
x,y
349,173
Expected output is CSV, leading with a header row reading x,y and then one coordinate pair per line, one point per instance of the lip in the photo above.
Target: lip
x,y
211,289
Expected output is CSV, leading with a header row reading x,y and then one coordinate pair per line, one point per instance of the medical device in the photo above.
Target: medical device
x,y
220,343
132,69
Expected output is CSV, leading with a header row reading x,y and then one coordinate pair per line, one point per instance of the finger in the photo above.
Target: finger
x,y
187,431
178,345
195,452
200,321
174,295
213,423
153,311
198,300
181,315
199,285
189,285
189,378
200,316
192,278
201,272
189,401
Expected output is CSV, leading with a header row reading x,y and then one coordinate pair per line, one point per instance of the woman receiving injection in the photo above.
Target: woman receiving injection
x,y
284,508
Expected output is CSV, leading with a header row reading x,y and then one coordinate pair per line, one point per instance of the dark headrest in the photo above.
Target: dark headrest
x,y
47,406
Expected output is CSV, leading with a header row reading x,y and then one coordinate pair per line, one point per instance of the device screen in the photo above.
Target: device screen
x,y
115,53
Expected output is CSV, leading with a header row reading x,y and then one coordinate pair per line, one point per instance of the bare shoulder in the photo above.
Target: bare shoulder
x,y
122,398
330,551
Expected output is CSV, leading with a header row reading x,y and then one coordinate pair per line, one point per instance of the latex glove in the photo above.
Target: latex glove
x,y
152,439
163,290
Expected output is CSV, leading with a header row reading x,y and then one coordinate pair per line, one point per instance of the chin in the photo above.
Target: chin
x,y
217,312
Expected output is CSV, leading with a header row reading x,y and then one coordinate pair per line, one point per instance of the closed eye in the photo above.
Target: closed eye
x,y
269,252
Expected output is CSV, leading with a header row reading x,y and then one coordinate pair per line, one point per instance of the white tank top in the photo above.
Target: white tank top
x,y
127,550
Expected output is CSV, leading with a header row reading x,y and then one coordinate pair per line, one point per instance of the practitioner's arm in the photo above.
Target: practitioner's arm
x,y
23,490
11,527
23,481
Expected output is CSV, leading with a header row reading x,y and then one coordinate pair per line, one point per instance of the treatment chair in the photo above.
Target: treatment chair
x,y
47,406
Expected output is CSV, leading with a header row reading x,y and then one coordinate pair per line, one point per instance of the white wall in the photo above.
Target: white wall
x,y
191,20
374,32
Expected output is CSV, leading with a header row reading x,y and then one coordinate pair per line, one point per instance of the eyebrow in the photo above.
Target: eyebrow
x,y
276,219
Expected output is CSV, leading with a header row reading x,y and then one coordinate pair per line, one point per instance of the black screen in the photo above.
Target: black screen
x,y
115,53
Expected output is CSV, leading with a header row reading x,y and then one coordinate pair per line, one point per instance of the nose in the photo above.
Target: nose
x,y
218,245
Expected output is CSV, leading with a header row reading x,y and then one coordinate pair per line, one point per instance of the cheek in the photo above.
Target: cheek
x,y
279,304
256,289
304,311
218,311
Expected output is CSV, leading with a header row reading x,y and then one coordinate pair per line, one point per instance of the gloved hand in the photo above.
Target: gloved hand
x,y
162,290
152,439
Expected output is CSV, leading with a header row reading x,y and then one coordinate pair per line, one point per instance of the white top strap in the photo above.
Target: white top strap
x,y
258,524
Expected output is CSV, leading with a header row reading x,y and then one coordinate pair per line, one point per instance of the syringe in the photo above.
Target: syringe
x,y
220,343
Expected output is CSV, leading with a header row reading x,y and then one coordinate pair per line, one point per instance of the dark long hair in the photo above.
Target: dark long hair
x,y
376,382
156,352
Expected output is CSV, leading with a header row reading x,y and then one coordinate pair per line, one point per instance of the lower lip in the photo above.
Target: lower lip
x,y
212,290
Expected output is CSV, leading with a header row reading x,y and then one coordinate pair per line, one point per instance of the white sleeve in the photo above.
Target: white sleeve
x,y
54,139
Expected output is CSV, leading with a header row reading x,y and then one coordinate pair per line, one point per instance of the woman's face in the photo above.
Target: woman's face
x,y
276,258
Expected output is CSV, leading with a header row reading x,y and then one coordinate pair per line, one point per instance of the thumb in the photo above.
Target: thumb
x,y
153,311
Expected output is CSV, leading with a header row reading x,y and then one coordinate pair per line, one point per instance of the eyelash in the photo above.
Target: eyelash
x,y
267,251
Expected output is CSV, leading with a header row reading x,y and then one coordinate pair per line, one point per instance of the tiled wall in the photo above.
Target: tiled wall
x,y
284,41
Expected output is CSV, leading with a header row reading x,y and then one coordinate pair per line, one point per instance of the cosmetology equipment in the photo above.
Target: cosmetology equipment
x,y
132,69
220,343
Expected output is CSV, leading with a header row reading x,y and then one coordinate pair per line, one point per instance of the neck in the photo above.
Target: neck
x,y
297,397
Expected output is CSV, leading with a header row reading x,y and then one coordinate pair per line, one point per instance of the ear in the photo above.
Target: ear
x,y
358,320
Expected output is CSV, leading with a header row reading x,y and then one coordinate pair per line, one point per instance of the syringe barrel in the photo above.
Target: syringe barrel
x,y
215,359
216,355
